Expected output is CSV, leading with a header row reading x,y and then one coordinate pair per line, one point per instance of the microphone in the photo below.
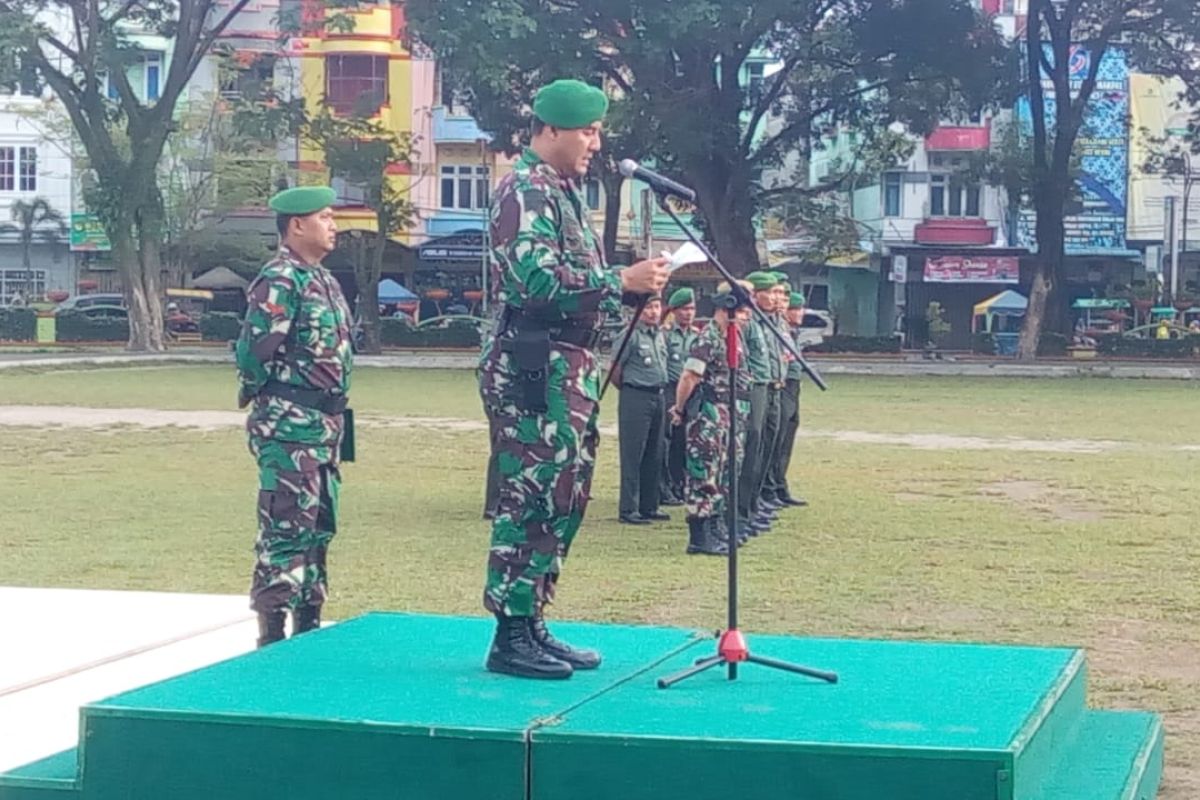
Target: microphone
x,y
631,169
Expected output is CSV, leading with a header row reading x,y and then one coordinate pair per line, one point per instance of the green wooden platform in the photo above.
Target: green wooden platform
x,y
399,706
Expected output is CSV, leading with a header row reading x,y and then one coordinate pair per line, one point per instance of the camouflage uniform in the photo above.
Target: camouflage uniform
x,y
547,264
708,425
296,333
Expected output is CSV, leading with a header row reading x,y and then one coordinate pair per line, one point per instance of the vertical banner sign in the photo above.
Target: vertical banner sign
x,y
1103,145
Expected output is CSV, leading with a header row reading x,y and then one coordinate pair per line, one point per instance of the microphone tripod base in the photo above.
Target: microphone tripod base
x,y
731,651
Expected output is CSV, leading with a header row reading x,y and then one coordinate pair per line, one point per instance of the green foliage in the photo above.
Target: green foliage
x,y
76,326
18,324
1186,347
456,334
220,326
678,71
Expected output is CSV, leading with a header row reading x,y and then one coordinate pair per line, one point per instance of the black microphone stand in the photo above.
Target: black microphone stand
x,y
731,646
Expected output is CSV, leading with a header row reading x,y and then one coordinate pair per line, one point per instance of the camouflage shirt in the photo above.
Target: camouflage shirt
x,y
297,332
546,260
708,358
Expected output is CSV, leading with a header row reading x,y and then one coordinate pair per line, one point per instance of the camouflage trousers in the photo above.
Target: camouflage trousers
x,y
706,475
544,465
297,517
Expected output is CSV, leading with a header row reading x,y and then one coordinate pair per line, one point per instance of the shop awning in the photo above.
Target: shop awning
x,y
392,292
1007,303
859,259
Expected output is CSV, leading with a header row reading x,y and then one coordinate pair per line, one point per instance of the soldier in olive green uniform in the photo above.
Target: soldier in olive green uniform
x,y
642,416
681,335
769,502
790,407
539,377
294,358
759,355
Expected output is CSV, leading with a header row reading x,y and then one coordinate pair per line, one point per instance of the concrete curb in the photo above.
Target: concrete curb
x,y
827,366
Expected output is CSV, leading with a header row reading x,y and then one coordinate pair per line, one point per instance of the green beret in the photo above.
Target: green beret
x,y
681,297
762,281
782,277
300,201
570,104
796,300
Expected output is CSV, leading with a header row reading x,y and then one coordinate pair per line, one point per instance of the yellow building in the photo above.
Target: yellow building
x,y
365,70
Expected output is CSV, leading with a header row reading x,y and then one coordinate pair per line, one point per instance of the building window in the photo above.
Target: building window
x,y
348,193
951,197
891,194
755,79
152,70
591,191
253,76
27,169
18,169
464,187
356,84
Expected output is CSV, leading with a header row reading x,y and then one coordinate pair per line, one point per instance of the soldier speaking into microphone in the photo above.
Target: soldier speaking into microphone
x,y
539,376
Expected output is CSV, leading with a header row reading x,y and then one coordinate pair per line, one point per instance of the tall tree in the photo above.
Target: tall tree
x,y
363,153
1156,36
681,67
86,60
33,220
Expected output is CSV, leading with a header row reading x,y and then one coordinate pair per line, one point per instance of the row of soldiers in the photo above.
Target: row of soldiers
x,y
671,413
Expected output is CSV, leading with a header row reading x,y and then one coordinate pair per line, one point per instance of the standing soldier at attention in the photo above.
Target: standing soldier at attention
x,y
294,359
702,398
768,494
539,376
790,406
642,416
759,343
680,336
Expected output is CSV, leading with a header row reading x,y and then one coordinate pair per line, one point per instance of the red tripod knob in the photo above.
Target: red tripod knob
x,y
733,646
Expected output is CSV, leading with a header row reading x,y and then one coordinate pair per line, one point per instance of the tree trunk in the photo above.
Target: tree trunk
x,y
613,182
1041,313
368,270
728,218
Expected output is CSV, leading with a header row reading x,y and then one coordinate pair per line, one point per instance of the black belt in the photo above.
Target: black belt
x,y
579,337
319,399
565,331
651,389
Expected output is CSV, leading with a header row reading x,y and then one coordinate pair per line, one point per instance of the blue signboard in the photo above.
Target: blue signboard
x,y
1103,145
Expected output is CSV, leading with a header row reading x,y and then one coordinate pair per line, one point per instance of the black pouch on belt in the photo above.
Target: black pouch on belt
x,y
531,351
346,450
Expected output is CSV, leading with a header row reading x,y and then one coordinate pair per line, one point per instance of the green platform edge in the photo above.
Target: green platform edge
x,y
1041,746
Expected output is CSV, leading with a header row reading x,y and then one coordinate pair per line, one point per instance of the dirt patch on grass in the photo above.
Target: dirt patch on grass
x,y
1037,496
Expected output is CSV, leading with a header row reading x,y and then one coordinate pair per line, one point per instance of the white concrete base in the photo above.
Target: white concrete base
x,y
64,648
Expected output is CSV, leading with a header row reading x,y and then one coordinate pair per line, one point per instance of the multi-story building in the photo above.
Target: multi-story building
x,y
34,165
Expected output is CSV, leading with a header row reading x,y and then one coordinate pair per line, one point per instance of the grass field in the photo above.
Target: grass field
x,y
956,539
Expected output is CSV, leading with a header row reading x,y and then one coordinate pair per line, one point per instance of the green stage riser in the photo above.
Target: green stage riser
x,y
141,759
398,706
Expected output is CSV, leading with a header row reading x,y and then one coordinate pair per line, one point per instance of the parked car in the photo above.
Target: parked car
x,y
82,301
815,326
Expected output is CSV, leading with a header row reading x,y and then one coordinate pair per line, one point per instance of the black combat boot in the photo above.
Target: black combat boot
x,y
702,539
515,652
577,658
306,618
270,627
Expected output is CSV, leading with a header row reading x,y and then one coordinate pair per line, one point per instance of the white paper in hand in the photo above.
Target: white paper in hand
x,y
688,254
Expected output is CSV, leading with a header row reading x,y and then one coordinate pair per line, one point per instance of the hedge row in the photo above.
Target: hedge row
x,y
75,326
18,324
1117,345
220,326
857,344
398,333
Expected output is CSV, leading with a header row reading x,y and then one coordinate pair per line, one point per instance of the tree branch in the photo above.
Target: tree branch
x,y
768,99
